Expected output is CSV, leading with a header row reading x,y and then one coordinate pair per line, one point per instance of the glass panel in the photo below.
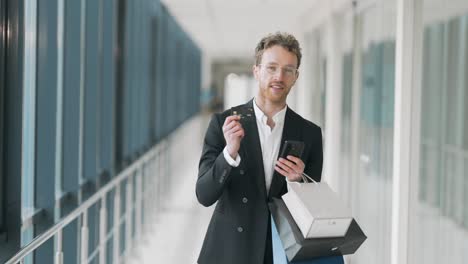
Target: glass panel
x,y
11,116
161,73
144,61
346,107
154,70
71,115
440,215
347,53
128,93
92,89
107,96
71,95
46,109
121,104
312,77
29,112
372,205
321,61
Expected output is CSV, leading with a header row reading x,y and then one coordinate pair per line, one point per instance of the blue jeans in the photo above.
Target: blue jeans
x,y
279,256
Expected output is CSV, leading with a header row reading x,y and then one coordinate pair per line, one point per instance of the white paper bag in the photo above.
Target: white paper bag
x,y
317,210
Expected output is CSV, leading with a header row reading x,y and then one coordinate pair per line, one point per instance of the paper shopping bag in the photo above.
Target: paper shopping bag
x,y
279,256
297,248
317,210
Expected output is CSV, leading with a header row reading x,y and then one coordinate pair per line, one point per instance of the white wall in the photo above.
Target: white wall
x,y
238,89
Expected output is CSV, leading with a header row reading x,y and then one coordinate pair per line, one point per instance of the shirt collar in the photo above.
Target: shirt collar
x,y
278,118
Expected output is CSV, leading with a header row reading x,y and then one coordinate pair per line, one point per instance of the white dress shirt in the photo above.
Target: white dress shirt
x,y
270,141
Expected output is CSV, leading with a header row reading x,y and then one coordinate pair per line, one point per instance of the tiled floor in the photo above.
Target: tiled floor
x,y
177,234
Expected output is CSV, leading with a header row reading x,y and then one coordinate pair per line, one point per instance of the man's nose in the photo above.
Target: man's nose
x,y
279,74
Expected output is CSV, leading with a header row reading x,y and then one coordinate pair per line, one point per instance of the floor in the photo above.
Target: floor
x,y
177,234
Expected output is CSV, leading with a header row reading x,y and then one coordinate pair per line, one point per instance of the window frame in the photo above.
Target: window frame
x,y
119,108
2,84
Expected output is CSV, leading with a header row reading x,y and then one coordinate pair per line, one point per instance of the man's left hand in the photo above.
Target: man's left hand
x,y
292,168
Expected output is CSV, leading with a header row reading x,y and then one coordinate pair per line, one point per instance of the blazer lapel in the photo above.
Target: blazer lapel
x,y
252,150
291,131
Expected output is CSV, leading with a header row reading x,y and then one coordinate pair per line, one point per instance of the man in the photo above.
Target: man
x,y
239,168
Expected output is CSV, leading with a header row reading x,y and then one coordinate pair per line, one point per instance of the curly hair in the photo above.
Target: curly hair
x,y
285,40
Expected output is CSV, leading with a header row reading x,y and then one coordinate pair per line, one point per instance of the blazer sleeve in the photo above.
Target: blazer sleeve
x,y
314,163
213,169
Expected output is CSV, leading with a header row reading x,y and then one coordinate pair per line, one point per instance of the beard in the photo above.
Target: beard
x,y
275,92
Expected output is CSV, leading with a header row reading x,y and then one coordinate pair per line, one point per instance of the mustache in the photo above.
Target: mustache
x,y
277,83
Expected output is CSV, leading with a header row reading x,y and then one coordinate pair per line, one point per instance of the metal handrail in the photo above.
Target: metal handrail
x,y
100,194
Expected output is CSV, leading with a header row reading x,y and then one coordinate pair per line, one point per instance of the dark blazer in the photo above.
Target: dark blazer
x,y
239,231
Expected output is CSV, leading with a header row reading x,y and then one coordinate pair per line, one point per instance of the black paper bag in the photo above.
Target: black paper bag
x,y
298,248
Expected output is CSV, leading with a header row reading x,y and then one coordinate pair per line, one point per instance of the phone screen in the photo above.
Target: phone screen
x,y
292,148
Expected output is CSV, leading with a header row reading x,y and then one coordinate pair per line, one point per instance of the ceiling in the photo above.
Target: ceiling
x,y
232,28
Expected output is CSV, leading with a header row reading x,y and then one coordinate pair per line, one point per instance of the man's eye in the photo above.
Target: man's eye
x,y
271,68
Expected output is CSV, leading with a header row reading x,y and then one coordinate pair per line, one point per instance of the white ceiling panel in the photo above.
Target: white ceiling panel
x,y
232,28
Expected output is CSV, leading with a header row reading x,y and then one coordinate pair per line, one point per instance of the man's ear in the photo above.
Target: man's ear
x,y
297,77
255,72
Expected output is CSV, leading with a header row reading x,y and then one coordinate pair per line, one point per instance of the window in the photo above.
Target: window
x,y
120,104
441,206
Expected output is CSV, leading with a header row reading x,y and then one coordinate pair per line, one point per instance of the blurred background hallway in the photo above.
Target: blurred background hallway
x,y
104,103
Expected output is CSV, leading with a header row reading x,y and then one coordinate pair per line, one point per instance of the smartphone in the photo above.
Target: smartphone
x,y
292,148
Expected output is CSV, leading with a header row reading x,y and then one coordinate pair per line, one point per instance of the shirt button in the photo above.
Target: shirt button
x,y
240,229
241,172
245,200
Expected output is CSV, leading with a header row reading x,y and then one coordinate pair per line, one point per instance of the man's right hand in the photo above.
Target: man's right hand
x,y
233,134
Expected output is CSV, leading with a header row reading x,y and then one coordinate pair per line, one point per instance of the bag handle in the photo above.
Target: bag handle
x,y
305,177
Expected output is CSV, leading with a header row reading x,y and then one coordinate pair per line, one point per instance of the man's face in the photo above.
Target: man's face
x,y
276,74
